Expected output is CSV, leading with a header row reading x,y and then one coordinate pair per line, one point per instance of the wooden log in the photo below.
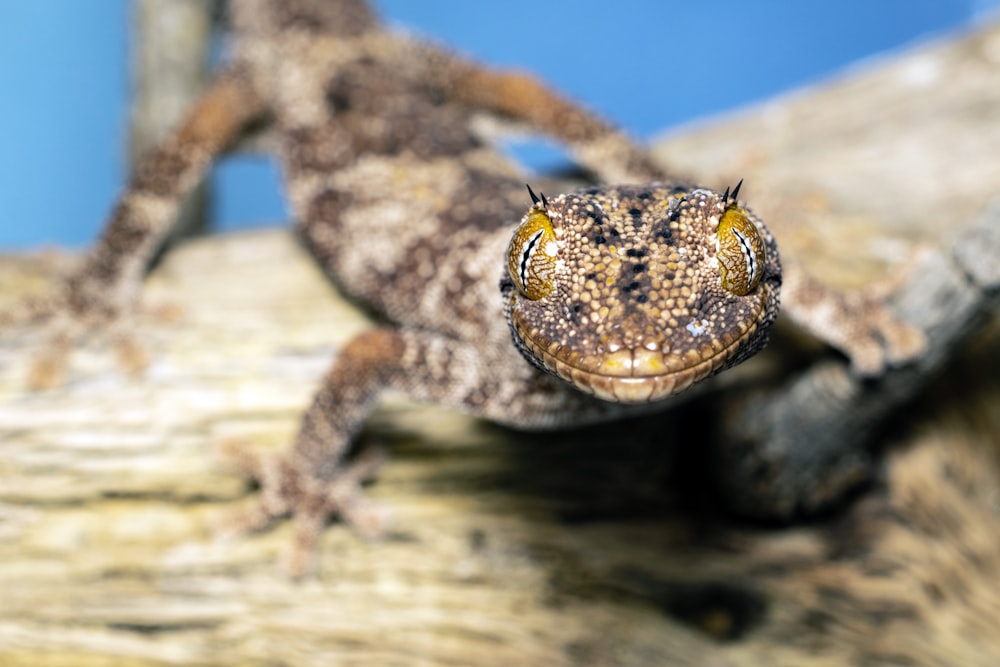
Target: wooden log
x,y
600,547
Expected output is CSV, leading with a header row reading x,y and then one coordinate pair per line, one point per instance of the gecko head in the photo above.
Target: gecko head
x,y
634,294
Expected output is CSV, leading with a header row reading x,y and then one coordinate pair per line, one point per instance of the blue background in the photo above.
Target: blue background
x,y
647,65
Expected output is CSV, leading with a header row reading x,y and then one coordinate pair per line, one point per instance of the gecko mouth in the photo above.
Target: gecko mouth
x,y
637,374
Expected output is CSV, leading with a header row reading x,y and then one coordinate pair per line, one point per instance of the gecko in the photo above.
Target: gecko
x,y
529,310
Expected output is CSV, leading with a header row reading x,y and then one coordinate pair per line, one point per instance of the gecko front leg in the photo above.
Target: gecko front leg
x,y
314,480
319,477
102,296
859,324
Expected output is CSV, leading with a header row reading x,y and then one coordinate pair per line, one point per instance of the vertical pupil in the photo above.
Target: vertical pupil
x,y
529,250
748,256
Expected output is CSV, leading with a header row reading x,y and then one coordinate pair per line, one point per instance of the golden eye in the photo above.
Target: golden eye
x,y
531,256
741,252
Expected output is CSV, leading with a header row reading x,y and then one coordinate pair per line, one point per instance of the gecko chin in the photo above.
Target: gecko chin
x,y
639,374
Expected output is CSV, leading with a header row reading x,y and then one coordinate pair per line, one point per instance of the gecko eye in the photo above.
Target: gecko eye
x,y
741,252
531,256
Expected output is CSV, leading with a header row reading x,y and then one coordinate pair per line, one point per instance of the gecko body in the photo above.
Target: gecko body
x,y
534,312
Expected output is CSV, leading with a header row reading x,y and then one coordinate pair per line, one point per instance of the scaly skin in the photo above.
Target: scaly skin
x,y
633,294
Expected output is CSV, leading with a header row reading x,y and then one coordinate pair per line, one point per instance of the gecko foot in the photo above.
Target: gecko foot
x,y
56,325
48,366
288,488
859,324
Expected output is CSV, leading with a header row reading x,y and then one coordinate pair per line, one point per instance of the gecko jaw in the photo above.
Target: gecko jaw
x,y
634,374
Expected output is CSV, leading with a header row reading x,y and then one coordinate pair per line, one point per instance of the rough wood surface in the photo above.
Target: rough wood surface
x,y
598,547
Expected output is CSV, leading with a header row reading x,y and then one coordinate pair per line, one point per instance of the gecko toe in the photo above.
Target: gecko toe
x,y
288,488
47,369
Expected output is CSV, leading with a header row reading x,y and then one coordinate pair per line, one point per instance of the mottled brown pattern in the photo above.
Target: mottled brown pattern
x,y
343,18
410,210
